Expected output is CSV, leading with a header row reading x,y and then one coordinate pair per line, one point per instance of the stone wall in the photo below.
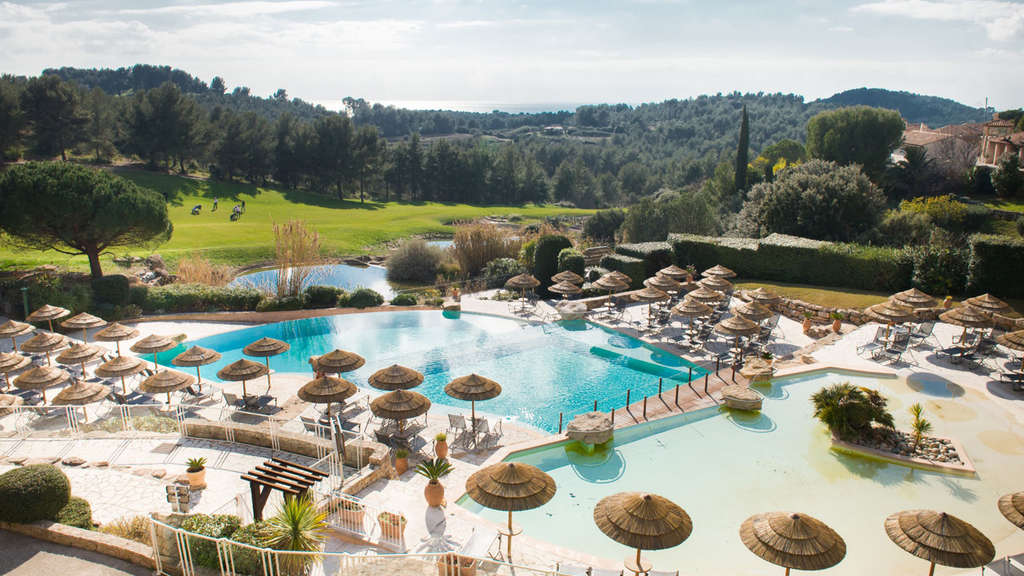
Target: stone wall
x,y
106,544
256,435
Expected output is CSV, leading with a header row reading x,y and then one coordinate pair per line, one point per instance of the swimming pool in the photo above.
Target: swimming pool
x,y
543,370
340,275
722,467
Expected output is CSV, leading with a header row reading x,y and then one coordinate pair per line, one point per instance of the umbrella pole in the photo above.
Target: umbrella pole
x,y
931,570
787,570
168,399
638,567
509,559
51,324
14,343
472,404
199,380
48,358
124,387
244,393
267,360
154,362
85,335
117,343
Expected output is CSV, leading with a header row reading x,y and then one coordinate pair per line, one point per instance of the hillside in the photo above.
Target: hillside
x,y
932,110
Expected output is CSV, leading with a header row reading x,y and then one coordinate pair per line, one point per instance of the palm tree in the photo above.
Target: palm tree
x,y
919,425
849,410
299,527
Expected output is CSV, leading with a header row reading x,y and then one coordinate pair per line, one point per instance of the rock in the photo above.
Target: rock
x,y
73,461
570,310
180,479
158,473
99,464
591,428
141,472
741,398
17,460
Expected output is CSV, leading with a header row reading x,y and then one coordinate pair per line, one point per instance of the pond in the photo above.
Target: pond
x,y
341,275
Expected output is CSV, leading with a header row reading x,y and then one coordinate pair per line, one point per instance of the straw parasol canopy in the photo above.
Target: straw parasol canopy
x,y
763,295
80,354
753,311
648,294
737,326
510,486
621,276
793,540
473,387
12,329
400,405
715,283
9,402
522,281
196,356
663,283
1011,506
674,272
989,304
242,370
337,361
565,288
153,344
40,378
325,390
967,316
116,332
265,348
642,521
83,322
44,342
48,314
719,271
890,312
690,308
80,393
611,283
567,276
395,377
939,538
121,367
166,382
705,295
913,298
12,362
1013,340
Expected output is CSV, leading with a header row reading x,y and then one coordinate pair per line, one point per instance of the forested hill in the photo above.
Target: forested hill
x,y
931,110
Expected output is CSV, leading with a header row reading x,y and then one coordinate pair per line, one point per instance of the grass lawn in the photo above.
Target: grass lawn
x,y
822,296
346,227
1010,205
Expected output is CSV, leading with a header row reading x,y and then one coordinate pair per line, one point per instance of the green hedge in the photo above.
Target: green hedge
x,y
204,552
195,298
996,265
571,259
113,289
545,258
33,493
322,296
365,298
77,513
632,267
656,255
403,300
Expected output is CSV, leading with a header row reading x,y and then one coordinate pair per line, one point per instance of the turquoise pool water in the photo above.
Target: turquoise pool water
x,y
340,275
722,467
543,370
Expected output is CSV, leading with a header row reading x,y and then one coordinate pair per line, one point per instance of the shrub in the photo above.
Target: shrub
x,y
111,289
298,526
33,493
77,513
199,298
204,552
945,211
404,300
996,265
246,560
632,267
66,292
475,245
849,411
322,296
940,269
1020,226
545,258
135,528
365,298
603,225
594,272
275,303
499,270
296,253
414,261
1008,180
571,259
526,253
196,269
656,255
900,228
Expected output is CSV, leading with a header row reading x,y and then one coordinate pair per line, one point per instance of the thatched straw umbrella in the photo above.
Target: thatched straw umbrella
x,y
265,348
737,326
9,402
763,296
166,382
196,356
716,283
1013,341
792,541
40,378
989,304
611,283
565,288
621,276
395,377
48,314
80,393
663,283
939,538
153,344
522,282
913,298
44,342
121,367
642,521
83,322
718,271
691,309
326,390
12,362
967,316
116,332
12,329
242,370
473,387
649,295
674,272
567,276
890,314
337,361
1011,506
512,487
400,405
79,354
753,311
705,295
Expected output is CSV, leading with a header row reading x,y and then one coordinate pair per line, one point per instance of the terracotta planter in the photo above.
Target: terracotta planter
x,y
807,325
837,325
948,302
434,493
196,480
401,465
441,449
352,515
455,565
392,527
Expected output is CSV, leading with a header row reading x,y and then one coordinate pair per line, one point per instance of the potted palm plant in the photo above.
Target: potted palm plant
x,y
452,564
392,526
434,470
196,472
837,321
691,271
401,461
808,315
298,527
441,445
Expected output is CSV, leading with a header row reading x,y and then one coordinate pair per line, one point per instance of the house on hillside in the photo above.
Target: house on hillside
x,y
999,139
955,145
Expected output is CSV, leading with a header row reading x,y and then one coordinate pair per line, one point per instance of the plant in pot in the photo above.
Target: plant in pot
x,y
351,513
808,315
452,564
434,470
392,526
298,526
196,472
401,461
768,357
441,446
837,321
947,302
691,272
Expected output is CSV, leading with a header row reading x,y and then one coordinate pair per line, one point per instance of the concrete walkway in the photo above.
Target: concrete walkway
x,y
25,556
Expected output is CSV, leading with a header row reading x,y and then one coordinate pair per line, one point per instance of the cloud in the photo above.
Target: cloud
x,y
1002,19
231,9
840,29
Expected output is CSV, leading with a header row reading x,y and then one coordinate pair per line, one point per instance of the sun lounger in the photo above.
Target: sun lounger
x,y
487,435
663,573
232,400
258,403
921,332
457,429
875,343
313,426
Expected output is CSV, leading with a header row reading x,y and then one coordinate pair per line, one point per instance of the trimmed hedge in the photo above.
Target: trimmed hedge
x,y
33,493
545,258
365,298
77,513
322,296
204,552
274,304
996,265
499,270
113,289
632,267
246,560
196,298
404,300
656,255
571,259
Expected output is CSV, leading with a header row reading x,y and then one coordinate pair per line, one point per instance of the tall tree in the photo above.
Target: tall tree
x,y
856,135
368,153
11,117
54,111
102,127
165,126
333,153
742,153
217,86
77,210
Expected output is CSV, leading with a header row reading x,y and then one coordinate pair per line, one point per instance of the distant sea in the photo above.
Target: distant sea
x,y
466,105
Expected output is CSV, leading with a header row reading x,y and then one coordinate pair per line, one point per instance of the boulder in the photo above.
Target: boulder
x,y
570,310
741,398
591,428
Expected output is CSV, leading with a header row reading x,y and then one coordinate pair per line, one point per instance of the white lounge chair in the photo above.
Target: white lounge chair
x,y
478,545
457,429
486,433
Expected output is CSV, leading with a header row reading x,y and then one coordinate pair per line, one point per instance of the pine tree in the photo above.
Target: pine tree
x,y
741,153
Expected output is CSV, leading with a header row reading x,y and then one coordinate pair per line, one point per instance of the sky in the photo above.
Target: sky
x,y
496,51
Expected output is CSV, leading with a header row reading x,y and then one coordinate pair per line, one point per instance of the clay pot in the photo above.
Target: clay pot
x,y
401,465
807,325
455,565
441,449
351,515
392,527
434,493
196,480
837,325
948,302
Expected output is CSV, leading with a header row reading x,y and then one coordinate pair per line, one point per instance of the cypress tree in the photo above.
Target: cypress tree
x,y
741,153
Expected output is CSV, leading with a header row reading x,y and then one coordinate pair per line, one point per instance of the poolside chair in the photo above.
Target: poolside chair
x,y
457,429
258,403
193,396
573,570
488,435
878,341
921,332
313,426
1015,378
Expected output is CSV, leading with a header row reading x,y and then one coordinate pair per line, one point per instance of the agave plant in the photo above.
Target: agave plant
x,y
849,411
299,527
435,469
195,464
920,425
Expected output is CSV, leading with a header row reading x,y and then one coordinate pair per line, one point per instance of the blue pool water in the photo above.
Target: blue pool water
x,y
442,244
543,370
340,275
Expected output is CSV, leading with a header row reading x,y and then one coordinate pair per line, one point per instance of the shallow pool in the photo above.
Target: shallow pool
x,y
722,467
544,370
340,275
